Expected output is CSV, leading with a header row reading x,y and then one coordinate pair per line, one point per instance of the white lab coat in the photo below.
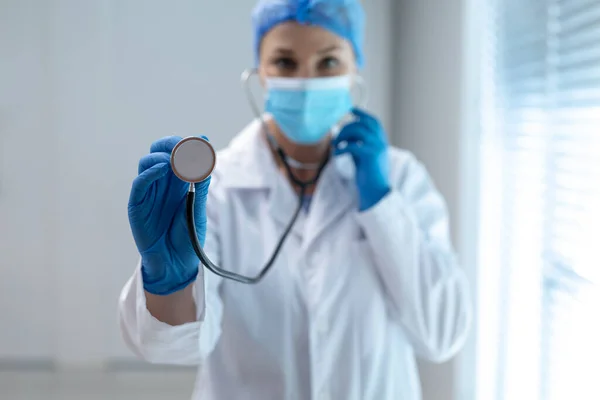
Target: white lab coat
x,y
350,301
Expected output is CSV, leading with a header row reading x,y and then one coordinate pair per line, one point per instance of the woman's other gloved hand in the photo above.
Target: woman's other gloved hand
x,y
158,222
366,141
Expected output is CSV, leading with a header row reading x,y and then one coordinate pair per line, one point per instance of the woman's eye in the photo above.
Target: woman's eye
x,y
285,63
329,63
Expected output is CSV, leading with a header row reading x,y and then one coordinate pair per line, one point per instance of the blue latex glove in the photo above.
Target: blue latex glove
x,y
366,141
158,223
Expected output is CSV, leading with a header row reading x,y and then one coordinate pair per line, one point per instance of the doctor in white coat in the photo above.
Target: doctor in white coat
x,y
367,279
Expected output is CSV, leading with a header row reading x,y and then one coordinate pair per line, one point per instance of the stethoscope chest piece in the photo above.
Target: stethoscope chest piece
x,y
193,159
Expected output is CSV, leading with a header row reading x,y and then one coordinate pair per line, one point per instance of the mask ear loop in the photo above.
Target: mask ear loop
x,y
359,82
246,75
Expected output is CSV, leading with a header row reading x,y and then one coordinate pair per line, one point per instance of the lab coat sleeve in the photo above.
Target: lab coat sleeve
x,y
187,344
408,234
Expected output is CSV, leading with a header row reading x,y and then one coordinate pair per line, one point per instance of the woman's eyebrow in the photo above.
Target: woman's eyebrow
x,y
285,51
328,49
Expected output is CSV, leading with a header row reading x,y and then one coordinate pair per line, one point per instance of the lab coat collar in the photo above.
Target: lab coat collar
x,y
250,165
247,161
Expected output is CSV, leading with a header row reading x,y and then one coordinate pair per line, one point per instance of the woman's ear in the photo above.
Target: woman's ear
x,y
359,90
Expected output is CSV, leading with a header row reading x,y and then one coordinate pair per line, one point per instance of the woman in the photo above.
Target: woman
x,y
367,279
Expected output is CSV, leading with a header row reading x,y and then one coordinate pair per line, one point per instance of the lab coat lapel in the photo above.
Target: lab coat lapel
x,y
283,202
252,166
247,165
335,196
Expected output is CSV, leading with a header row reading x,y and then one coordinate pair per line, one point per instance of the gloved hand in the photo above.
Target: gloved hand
x,y
365,140
158,222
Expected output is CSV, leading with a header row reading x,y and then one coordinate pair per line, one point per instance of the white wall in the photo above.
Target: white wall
x,y
89,85
27,172
433,99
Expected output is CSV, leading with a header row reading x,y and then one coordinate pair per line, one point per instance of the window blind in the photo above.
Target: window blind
x,y
541,90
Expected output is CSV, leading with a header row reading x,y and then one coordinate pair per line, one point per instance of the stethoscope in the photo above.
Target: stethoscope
x,y
193,160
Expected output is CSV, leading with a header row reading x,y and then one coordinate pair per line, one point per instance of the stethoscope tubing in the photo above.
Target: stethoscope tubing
x,y
212,267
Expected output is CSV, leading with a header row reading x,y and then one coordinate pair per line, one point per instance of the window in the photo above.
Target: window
x,y
540,195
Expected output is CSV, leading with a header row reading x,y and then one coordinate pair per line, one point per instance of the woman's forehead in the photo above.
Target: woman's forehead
x,y
298,37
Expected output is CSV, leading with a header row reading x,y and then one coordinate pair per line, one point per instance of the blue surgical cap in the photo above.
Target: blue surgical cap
x,y
345,18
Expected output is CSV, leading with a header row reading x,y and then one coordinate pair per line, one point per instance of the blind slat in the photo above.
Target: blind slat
x,y
573,8
577,40
569,23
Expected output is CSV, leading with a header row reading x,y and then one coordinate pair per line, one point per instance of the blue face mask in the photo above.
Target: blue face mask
x,y
306,110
